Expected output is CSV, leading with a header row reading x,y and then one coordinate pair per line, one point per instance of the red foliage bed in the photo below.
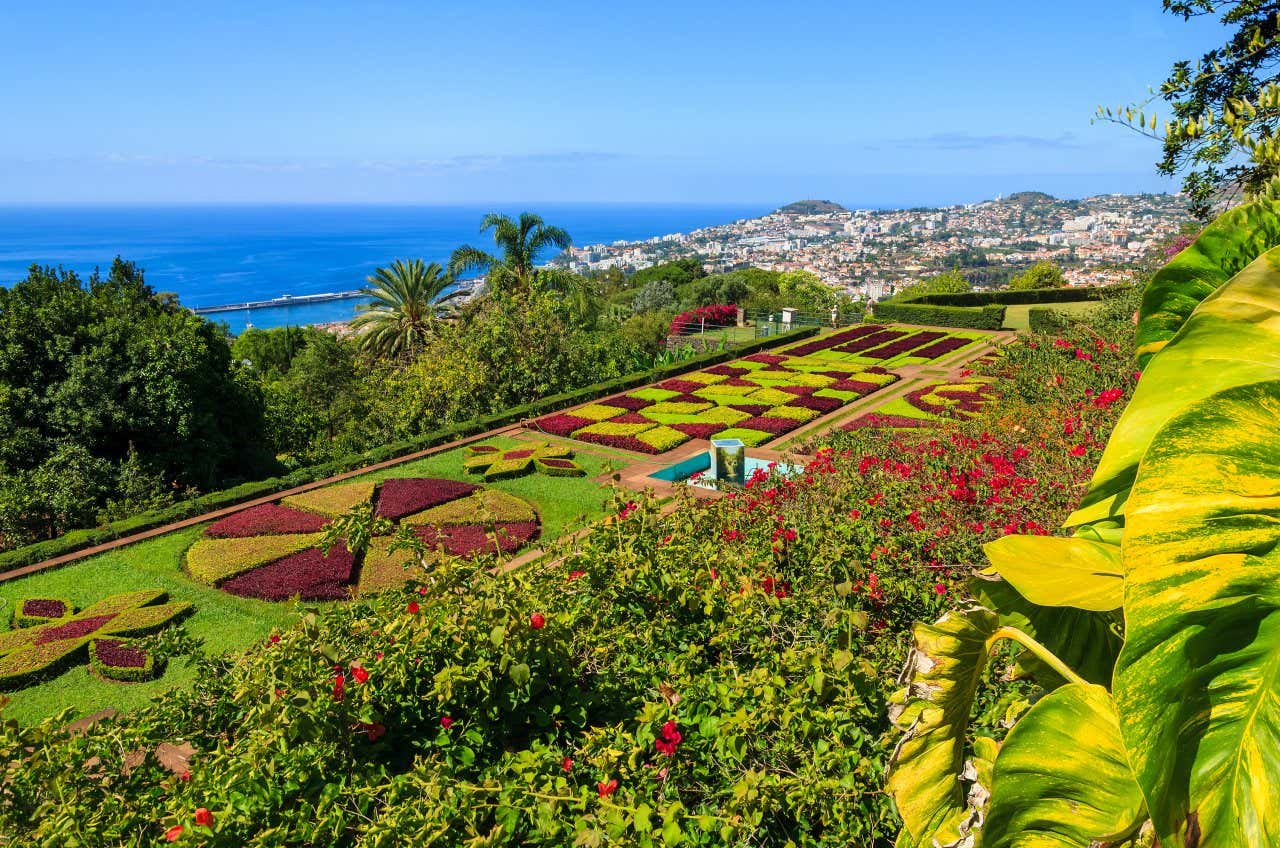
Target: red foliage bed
x,y
309,574
398,498
266,520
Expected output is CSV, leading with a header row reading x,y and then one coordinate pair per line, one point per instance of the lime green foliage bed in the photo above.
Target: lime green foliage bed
x,y
227,623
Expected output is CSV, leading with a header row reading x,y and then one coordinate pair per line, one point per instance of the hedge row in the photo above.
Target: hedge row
x,y
989,317
1042,319
79,539
1014,298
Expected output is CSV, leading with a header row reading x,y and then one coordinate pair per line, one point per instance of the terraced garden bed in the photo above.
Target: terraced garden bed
x,y
929,405
757,399
272,552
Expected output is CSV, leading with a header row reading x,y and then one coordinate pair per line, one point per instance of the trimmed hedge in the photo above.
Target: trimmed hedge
x,y
78,539
1017,298
989,317
1041,319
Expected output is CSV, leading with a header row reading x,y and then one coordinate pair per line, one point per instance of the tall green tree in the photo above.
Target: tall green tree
x,y
402,315
518,243
1042,275
1225,108
92,371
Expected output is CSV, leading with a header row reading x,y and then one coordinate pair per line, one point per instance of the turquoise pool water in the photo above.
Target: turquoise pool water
x,y
700,464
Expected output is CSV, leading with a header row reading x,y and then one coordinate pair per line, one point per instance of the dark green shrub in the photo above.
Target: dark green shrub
x,y
989,317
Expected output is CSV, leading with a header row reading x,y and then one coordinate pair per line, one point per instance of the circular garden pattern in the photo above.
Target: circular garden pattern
x,y
271,552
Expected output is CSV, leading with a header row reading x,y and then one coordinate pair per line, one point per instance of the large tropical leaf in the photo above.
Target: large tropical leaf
x,y
1062,778
1221,251
1198,680
1232,338
941,679
1087,642
1060,572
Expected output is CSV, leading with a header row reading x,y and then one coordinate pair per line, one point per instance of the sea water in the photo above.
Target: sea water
x,y
215,255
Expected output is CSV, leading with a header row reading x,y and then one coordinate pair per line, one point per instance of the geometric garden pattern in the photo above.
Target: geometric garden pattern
x,y
270,552
756,398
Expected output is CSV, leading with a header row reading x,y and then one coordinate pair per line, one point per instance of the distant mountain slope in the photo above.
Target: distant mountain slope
x,y
811,207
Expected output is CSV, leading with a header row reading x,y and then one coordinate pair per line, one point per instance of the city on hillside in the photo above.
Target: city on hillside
x,y
870,253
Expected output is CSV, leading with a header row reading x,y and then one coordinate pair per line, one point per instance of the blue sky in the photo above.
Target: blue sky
x,y
429,102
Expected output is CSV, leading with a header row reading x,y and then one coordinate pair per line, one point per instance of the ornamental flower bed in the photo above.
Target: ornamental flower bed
x,y
276,566
266,520
725,399
37,652
35,611
901,346
497,464
120,659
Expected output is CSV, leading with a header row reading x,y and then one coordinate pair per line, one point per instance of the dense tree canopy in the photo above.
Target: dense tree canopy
x,y
1042,275
102,372
948,282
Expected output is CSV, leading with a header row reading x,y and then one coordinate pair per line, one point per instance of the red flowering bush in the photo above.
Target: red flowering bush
x,y
713,317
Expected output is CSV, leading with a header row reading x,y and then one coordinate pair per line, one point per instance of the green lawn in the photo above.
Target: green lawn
x,y
1015,317
227,623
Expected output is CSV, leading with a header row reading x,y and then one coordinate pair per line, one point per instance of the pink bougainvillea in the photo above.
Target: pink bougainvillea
x,y
717,316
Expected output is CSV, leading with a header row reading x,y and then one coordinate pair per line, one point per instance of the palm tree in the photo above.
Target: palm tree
x,y
402,315
518,244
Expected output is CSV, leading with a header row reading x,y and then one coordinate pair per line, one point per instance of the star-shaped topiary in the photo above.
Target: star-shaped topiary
x,y
495,463
39,650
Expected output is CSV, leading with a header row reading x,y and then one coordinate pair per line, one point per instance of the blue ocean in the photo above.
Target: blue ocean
x,y
214,255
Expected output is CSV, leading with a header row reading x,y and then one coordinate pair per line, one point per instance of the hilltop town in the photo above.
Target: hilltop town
x,y
869,252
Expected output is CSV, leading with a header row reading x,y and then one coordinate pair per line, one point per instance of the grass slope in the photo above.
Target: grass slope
x,y
227,623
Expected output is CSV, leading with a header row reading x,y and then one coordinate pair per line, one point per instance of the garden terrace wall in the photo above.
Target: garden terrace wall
x,y
1016,298
80,539
989,317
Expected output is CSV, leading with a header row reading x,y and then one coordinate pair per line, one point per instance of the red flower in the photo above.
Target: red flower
x,y
374,731
671,737
413,608
566,764
360,675
626,511
607,789
204,818
939,589
1079,450
537,621
275,639
446,722
574,575
185,777
172,834
339,685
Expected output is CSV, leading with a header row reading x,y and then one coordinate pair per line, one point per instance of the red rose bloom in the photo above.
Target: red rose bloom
x,y
360,675
204,818
537,621
566,764
413,608
607,789
172,834
446,722
339,686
